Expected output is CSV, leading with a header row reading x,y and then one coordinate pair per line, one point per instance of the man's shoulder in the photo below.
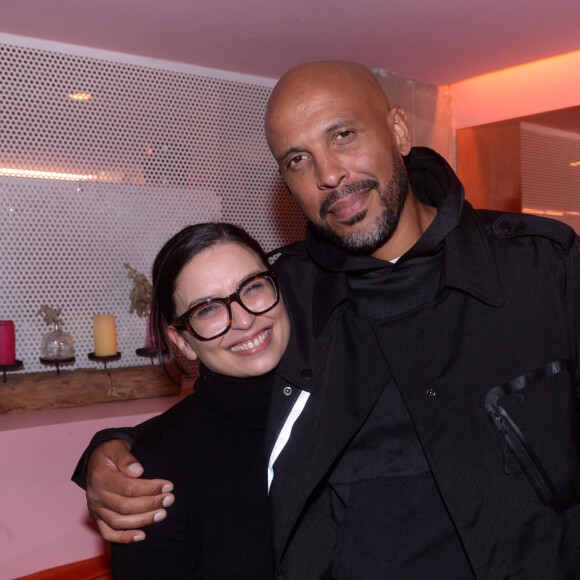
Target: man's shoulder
x,y
292,259
506,226
295,249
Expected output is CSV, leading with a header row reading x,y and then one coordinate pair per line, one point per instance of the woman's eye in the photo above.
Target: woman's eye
x,y
207,310
254,287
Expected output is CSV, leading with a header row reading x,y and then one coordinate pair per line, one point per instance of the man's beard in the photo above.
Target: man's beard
x,y
377,233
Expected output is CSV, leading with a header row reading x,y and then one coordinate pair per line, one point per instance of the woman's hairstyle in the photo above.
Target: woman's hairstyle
x,y
169,263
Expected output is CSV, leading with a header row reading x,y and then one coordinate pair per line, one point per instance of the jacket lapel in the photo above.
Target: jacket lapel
x,y
346,386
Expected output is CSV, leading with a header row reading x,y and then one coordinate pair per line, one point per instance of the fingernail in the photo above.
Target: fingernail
x,y
135,468
138,537
159,517
167,488
168,501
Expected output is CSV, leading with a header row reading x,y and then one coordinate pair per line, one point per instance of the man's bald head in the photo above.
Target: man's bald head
x,y
300,87
339,147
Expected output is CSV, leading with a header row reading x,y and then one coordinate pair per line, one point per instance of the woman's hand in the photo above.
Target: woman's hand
x,y
117,499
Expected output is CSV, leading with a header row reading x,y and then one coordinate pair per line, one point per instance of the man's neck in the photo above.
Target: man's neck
x,y
415,218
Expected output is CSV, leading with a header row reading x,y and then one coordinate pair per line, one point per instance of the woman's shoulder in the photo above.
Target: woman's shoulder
x,y
172,430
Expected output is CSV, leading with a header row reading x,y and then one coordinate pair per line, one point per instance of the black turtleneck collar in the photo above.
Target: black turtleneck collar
x,y
236,397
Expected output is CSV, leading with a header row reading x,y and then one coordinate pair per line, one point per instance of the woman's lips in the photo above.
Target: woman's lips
x,y
252,344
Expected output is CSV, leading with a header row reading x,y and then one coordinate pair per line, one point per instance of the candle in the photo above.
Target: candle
x,y
7,343
149,342
105,335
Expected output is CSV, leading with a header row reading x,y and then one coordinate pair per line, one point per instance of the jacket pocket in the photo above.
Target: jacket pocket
x,y
536,415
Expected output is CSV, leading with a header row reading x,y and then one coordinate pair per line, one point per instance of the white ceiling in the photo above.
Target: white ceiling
x,y
436,42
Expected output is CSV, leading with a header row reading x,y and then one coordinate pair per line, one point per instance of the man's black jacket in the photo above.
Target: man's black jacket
x,y
487,369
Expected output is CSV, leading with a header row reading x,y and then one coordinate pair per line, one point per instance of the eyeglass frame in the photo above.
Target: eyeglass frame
x,y
183,320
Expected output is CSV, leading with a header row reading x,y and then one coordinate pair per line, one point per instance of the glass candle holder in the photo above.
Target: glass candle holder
x,y
57,345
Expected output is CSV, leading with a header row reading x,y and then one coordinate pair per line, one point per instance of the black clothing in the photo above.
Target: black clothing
x,y
211,445
478,333
413,531
462,356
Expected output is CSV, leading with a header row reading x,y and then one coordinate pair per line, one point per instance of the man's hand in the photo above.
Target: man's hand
x,y
117,500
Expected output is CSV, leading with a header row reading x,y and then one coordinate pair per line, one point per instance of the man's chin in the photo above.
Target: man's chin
x,y
358,241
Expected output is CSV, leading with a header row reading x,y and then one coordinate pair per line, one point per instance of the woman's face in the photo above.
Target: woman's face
x,y
254,344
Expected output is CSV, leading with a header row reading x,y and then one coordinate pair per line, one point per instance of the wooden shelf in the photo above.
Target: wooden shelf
x,y
52,390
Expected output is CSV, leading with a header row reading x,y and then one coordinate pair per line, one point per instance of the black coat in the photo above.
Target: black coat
x,y
487,371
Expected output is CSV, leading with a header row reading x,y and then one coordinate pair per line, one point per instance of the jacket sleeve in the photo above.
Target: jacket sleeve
x,y
573,306
129,434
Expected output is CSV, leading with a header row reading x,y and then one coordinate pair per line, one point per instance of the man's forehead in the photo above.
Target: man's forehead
x,y
295,99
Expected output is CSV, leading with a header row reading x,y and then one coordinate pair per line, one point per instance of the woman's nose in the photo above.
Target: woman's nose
x,y
241,318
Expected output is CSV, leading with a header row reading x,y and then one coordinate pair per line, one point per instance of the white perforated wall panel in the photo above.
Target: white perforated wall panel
x,y
86,185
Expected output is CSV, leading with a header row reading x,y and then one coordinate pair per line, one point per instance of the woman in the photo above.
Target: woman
x,y
214,300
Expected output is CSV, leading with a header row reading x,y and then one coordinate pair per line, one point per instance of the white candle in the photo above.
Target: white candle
x,y
105,335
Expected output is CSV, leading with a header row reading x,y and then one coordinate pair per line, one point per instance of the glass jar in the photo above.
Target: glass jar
x,y
57,344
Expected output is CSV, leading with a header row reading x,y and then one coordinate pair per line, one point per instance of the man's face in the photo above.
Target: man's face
x,y
341,161
377,229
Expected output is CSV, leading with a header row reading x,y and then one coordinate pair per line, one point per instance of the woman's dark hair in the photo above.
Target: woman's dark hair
x,y
171,260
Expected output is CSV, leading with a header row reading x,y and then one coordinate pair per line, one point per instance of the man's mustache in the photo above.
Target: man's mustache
x,y
344,191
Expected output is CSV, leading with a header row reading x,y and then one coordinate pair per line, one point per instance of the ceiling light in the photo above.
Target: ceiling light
x,y
80,96
8,172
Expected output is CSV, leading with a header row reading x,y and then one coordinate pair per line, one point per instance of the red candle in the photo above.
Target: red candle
x,y
7,343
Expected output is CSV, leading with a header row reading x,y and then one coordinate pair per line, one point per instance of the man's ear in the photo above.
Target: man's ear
x,y
179,341
400,129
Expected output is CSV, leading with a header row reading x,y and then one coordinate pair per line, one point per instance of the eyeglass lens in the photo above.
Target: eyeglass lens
x,y
212,317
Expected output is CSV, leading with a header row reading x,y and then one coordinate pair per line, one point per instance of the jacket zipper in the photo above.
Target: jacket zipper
x,y
513,442
512,436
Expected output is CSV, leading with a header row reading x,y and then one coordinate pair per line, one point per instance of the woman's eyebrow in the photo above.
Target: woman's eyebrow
x,y
196,301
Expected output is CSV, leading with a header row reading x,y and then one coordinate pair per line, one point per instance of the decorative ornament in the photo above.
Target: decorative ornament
x,y
56,345
141,293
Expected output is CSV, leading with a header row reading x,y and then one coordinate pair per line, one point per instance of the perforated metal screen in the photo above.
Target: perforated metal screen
x,y
88,183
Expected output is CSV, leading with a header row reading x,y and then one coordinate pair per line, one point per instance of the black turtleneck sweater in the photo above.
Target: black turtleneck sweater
x,y
212,446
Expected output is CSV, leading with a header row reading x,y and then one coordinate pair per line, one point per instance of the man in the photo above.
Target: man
x,y
440,346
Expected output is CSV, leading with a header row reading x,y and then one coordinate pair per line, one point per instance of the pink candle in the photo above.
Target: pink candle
x,y
7,343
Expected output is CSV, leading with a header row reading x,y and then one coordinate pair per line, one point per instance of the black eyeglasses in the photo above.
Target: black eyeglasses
x,y
213,317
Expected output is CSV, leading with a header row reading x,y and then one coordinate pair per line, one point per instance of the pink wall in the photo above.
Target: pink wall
x,y
545,85
43,518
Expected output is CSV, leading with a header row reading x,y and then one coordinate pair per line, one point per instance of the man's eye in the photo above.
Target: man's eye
x,y
293,161
344,134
